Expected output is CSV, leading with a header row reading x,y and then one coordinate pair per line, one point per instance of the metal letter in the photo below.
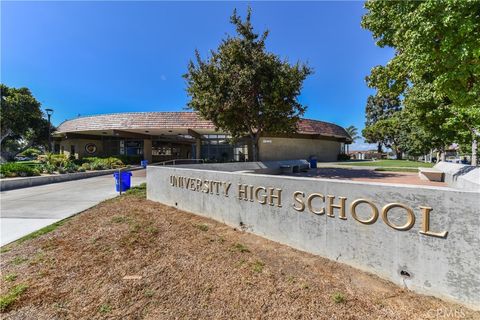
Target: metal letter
x,y
410,219
278,196
309,203
226,187
300,201
426,224
340,206
242,191
263,199
353,211
206,186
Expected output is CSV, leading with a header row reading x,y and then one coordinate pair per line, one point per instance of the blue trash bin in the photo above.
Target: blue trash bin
x,y
124,181
313,162
144,163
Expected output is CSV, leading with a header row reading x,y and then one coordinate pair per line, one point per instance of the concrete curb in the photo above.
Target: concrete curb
x,y
18,183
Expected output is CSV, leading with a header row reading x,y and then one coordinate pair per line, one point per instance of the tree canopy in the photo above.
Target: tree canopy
x,y
21,120
436,67
244,89
353,132
378,108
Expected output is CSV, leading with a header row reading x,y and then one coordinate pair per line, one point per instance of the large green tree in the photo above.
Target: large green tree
x,y
378,108
436,67
21,120
390,132
245,90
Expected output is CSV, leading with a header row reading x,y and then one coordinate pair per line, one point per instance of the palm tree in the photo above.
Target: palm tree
x,y
353,132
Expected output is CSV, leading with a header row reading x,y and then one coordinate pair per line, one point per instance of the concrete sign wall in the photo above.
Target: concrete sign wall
x,y
426,238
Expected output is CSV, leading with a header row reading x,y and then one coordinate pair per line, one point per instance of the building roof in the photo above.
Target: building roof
x,y
177,120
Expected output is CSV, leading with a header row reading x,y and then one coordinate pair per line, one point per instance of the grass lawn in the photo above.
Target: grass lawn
x,y
129,258
389,163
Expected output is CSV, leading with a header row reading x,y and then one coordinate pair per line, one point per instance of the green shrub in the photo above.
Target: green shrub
x,y
88,159
114,162
56,160
99,164
47,168
12,169
69,166
86,166
31,152
96,163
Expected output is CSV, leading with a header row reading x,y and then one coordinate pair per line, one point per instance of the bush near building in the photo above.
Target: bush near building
x,y
12,169
95,163
59,163
31,153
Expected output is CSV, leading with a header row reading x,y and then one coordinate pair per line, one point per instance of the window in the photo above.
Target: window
x,y
219,148
131,147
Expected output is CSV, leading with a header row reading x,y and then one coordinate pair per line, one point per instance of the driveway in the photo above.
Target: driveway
x,y
26,210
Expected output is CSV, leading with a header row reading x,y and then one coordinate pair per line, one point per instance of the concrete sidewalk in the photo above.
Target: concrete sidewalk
x,y
26,210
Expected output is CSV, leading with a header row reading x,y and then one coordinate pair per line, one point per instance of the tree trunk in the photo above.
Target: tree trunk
x,y
399,154
474,151
442,155
254,137
379,148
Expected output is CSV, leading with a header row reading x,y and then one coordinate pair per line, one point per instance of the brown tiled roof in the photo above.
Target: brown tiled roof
x,y
309,126
174,120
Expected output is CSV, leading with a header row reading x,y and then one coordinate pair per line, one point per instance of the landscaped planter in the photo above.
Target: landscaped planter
x,y
17,183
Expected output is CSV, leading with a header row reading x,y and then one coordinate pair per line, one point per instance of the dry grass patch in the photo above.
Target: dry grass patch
x,y
130,258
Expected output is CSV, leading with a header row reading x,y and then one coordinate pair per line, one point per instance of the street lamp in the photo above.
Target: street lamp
x,y
49,115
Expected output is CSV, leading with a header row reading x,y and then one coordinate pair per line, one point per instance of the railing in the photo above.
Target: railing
x,y
177,161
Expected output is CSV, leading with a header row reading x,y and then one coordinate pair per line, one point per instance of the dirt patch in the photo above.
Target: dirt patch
x,y
129,258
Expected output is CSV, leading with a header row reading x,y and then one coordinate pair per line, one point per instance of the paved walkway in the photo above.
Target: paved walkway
x,y
369,175
26,210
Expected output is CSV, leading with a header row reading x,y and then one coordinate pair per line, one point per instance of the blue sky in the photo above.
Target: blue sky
x,y
102,57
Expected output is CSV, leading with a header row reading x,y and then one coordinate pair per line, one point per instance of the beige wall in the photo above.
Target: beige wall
x,y
295,148
269,148
147,150
80,147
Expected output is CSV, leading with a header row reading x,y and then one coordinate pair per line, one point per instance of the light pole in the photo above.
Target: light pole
x,y
49,115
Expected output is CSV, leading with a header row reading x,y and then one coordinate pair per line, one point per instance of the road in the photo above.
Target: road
x,y
26,210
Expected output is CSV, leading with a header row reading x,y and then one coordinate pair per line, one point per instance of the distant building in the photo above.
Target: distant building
x,y
163,136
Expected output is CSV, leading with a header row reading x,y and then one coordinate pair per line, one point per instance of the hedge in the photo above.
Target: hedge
x,y
13,169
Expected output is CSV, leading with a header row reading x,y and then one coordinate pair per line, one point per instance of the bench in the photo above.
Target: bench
x,y
431,174
286,169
